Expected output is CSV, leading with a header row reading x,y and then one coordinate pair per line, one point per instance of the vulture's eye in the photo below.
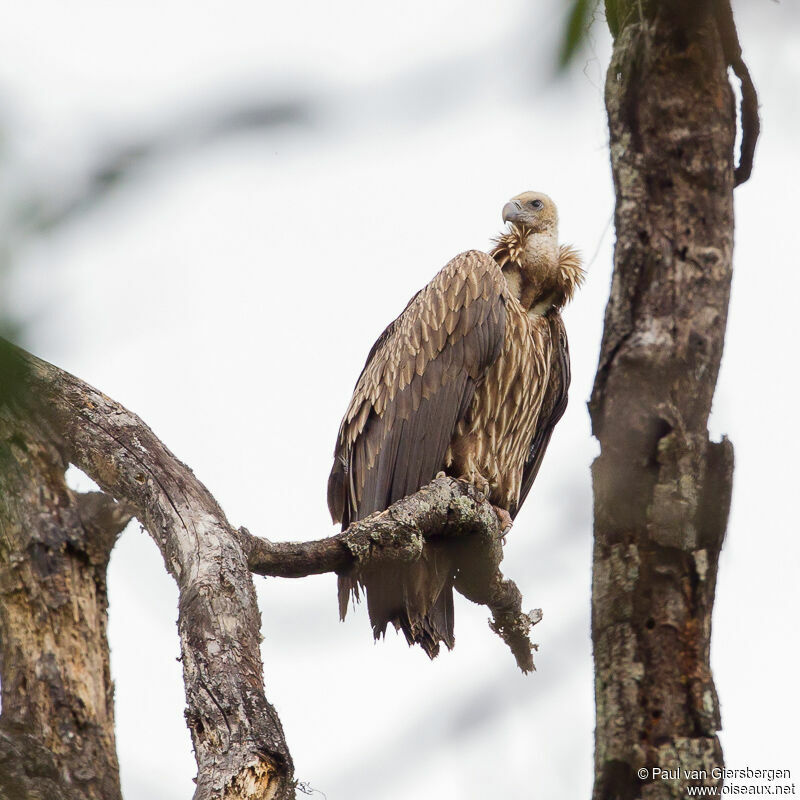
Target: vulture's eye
x,y
536,203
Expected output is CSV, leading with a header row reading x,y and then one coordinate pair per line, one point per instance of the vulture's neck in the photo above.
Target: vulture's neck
x,y
540,273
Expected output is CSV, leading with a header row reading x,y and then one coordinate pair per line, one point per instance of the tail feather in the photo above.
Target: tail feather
x,y
348,586
435,626
416,598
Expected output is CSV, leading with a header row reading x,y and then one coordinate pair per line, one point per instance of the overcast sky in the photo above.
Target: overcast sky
x,y
229,289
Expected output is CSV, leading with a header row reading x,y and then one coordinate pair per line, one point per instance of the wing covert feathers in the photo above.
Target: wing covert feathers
x,y
554,404
418,381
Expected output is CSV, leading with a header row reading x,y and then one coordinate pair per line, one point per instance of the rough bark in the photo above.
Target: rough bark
x,y
237,737
444,509
51,419
57,726
662,488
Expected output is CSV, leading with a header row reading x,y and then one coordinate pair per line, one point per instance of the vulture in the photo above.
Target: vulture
x,y
469,380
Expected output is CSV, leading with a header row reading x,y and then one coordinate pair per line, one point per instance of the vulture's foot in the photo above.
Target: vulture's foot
x,y
483,488
505,522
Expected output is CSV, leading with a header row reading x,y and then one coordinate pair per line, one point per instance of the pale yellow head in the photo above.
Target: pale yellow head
x,y
534,210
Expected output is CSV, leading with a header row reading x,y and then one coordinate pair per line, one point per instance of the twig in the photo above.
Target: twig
x,y
751,125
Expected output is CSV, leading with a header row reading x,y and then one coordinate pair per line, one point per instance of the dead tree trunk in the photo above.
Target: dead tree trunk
x,y
661,487
57,727
53,417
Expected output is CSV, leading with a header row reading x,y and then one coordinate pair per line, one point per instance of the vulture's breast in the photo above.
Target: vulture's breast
x,y
491,443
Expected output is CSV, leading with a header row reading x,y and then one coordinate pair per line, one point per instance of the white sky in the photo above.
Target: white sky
x,y
229,295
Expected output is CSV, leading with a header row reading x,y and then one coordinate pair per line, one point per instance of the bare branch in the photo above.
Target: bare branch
x,y
751,125
104,520
444,509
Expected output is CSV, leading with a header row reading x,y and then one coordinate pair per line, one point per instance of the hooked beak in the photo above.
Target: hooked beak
x,y
512,211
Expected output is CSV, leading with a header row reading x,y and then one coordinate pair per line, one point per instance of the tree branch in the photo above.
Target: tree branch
x,y
444,509
751,125
238,740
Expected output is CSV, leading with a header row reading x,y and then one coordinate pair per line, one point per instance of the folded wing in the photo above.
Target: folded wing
x,y
418,381
553,405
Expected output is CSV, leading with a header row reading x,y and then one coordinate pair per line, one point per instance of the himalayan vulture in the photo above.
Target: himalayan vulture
x,y
470,380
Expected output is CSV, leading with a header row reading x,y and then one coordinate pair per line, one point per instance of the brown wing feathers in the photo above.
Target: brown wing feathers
x,y
418,382
554,405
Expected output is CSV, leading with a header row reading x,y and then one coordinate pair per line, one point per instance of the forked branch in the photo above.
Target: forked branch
x,y
238,740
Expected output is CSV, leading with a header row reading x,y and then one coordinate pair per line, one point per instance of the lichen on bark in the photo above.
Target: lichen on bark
x,y
57,727
661,487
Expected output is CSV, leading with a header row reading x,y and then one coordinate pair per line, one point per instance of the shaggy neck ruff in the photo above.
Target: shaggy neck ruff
x,y
541,274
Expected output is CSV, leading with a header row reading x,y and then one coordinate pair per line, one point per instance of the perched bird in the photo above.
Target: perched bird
x,y
470,379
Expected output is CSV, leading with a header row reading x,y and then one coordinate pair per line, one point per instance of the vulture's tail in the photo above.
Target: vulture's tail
x,y
416,598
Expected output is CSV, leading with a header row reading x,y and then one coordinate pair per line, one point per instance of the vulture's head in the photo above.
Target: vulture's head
x,y
534,210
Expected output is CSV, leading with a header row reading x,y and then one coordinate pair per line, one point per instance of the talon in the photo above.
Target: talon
x,y
505,522
440,474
